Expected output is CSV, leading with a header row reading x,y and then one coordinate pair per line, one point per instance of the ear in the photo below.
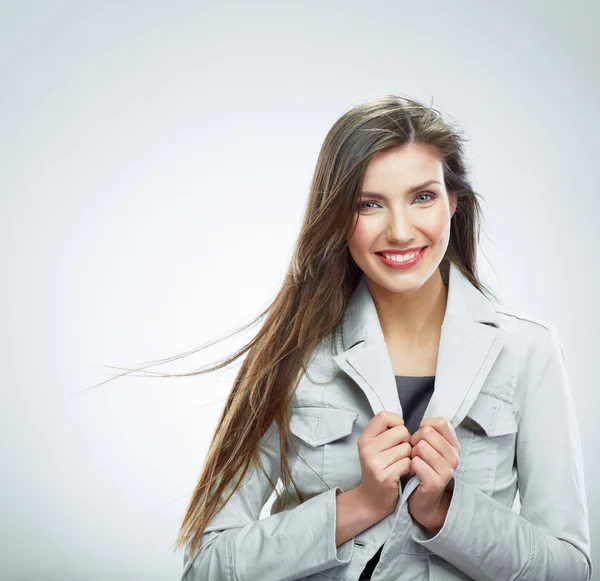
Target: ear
x,y
453,204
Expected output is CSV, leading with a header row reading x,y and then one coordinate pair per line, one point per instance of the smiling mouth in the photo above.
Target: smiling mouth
x,y
402,254
415,257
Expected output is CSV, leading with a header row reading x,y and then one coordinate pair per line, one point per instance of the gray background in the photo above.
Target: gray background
x,y
156,158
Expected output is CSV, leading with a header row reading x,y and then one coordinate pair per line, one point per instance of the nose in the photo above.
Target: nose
x,y
400,226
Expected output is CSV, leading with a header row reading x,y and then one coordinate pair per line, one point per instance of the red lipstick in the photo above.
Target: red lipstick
x,y
405,264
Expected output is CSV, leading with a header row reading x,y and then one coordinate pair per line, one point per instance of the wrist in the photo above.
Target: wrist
x,y
376,509
437,522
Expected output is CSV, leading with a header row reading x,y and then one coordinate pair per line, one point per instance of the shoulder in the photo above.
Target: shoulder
x,y
526,318
522,324
536,340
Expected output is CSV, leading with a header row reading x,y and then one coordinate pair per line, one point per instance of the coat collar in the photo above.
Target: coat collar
x,y
471,339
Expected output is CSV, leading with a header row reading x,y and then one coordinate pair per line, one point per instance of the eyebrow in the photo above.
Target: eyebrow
x,y
410,190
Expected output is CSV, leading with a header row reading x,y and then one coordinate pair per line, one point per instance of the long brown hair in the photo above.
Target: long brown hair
x,y
318,284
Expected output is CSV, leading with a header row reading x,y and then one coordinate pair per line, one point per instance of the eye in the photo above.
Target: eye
x,y
361,206
430,194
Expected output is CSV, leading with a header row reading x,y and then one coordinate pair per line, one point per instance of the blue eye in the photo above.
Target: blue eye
x,y
363,208
431,195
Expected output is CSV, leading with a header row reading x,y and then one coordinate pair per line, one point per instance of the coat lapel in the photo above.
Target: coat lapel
x,y
471,339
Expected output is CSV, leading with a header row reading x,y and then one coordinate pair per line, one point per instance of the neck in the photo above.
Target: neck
x,y
411,318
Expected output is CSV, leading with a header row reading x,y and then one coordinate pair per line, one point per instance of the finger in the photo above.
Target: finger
x,y
427,433
443,469
428,477
392,437
381,422
444,427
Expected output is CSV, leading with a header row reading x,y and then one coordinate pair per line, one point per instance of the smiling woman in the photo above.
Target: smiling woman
x,y
400,406
402,230
382,323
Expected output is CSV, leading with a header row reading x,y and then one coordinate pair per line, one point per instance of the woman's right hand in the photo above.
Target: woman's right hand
x,y
385,456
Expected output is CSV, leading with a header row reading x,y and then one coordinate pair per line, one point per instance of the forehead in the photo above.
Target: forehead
x,y
403,167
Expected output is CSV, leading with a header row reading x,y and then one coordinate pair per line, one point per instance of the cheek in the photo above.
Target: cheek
x,y
363,236
437,226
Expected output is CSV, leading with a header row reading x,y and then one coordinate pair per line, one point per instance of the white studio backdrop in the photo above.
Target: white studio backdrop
x,y
156,159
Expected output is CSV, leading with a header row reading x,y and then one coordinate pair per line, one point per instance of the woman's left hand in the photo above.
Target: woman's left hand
x,y
435,454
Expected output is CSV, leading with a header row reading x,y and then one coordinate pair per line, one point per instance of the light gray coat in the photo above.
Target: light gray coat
x,y
501,380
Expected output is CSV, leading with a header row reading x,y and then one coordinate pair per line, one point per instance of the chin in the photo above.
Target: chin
x,y
401,280
406,284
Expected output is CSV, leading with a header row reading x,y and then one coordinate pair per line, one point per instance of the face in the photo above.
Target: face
x,y
393,215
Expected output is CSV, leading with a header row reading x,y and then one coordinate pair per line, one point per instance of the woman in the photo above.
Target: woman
x,y
400,406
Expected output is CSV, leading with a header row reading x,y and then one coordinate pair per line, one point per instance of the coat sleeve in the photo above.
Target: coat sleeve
x,y
549,539
286,546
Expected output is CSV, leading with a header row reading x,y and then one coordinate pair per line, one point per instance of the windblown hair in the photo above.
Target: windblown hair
x,y
317,287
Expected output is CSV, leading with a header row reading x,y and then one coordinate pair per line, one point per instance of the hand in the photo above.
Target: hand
x,y
385,456
434,458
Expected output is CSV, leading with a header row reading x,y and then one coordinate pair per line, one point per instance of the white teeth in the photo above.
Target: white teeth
x,y
400,257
